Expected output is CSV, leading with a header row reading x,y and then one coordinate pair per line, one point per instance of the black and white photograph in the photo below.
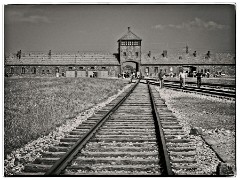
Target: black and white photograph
x,y
119,89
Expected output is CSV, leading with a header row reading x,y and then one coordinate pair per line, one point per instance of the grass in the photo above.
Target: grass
x,y
35,106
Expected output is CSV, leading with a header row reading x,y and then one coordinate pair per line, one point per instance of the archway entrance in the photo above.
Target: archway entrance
x,y
129,68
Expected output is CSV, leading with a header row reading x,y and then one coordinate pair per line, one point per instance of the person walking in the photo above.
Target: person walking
x,y
182,77
160,78
199,81
133,75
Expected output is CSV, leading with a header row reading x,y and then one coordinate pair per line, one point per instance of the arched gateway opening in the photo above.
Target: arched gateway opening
x,y
129,68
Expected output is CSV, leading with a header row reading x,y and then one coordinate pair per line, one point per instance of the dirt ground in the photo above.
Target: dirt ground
x,y
216,118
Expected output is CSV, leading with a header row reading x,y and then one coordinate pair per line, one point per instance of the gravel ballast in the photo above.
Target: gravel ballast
x,y
216,118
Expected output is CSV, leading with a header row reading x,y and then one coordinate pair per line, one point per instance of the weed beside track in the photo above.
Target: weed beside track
x,y
35,106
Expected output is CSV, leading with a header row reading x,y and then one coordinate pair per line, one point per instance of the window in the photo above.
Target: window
x,y
70,68
124,54
11,70
48,71
57,70
23,70
81,68
34,70
130,43
92,67
205,70
136,54
43,72
136,43
201,70
103,67
155,70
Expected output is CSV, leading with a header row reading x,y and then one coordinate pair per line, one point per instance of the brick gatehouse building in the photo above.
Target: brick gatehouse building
x,y
128,59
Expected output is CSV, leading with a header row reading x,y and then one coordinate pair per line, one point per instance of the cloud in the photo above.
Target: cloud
x,y
196,23
25,16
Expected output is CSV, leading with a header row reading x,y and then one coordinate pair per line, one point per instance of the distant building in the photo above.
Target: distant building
x,y
128,59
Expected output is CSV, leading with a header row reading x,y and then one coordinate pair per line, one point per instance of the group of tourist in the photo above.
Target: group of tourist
x,y
129,75
182,78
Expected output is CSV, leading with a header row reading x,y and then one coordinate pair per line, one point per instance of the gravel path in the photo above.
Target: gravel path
x,y
15,161
217,121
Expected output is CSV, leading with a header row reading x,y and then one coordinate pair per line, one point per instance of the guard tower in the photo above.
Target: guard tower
x,y
129,47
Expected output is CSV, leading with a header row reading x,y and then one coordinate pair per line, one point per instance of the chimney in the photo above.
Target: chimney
x,y
164,54
208,54
149,54
128,28
187,49
195,53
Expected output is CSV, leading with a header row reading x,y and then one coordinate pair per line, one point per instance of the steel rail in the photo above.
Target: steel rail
x,y
212,92
62,163
160,136
201,90
203,83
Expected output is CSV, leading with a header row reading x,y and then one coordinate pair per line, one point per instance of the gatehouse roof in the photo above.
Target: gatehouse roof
x,y
130,36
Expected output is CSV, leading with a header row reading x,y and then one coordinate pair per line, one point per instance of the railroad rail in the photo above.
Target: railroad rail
x,y
135,134
204,84
204,90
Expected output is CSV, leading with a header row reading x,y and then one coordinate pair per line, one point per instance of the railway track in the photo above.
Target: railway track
x,y
135,134
204,90
209,85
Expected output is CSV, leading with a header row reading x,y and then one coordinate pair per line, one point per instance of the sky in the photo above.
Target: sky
x,y
98,27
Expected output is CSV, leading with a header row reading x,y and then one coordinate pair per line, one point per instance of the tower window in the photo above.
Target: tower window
x,y
136,54
124,53
103,67
155,70
123,43
57,70
48,71
70,68
136,43
34,70
43,72
81,67
11,70
92,67
23,70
